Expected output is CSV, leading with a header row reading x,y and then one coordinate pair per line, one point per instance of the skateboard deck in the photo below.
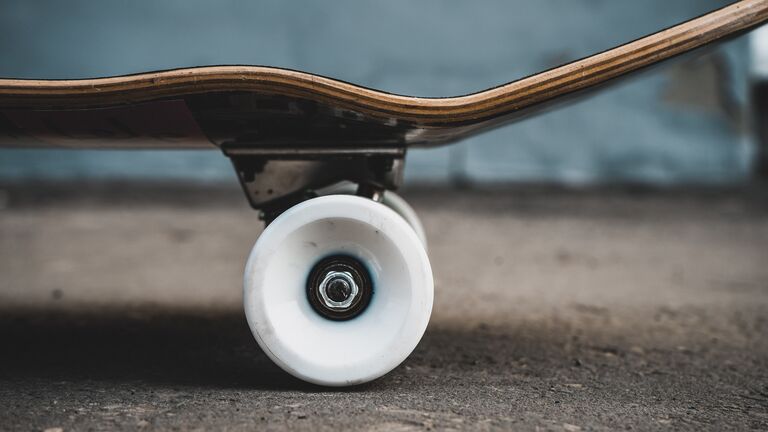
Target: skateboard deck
x,y
249,109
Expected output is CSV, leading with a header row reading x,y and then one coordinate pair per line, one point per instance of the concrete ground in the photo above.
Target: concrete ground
x,y
594,310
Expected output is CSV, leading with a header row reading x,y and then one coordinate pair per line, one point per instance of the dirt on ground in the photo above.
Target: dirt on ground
x,y
120,309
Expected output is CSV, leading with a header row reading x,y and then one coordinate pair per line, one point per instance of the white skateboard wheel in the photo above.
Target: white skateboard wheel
x,y
338,290
401,207
391,200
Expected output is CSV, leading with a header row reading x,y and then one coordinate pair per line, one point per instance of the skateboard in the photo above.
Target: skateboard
x,y
338,288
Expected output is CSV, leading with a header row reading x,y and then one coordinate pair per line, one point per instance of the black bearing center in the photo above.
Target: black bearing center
x,y
338,290
329,287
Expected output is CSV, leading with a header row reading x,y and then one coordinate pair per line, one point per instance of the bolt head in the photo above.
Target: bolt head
x,y
338,290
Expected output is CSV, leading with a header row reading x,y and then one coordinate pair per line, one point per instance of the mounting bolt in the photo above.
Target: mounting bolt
x,y
338,290
339,287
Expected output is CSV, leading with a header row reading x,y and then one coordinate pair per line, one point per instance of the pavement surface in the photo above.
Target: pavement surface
x,y
594,310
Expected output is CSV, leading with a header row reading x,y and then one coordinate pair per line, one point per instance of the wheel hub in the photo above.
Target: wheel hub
x,y
339,287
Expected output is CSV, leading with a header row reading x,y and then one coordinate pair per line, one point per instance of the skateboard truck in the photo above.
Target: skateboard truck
x,y
275,179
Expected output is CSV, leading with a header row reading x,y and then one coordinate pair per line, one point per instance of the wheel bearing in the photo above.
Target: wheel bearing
x,y
339,288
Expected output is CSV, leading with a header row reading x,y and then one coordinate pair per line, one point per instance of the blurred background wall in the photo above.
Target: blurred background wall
x,y
685,122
